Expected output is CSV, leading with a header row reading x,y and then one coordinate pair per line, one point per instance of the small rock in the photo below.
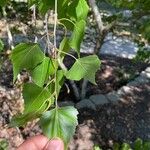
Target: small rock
x,y
113,97
126,89
132,83
147,69
99,99
141,79
66,103
85,103
145,74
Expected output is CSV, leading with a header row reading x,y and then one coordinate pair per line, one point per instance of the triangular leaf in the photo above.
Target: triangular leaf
x,y
35,97
60,122
77,35
36,100
85,67
26,56
41,72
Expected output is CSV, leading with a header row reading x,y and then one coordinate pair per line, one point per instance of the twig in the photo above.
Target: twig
x,y
84,89
10,37
72,83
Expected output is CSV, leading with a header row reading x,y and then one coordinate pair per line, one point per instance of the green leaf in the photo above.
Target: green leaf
x,y
146,146
45,5
82,10
60,122
77,35
22,119
64,47
116,146
25,56
4,144
59,82
138,145
41,72
85,67
36,100
3,3
35,97
1,45
125,146
78,10
32,2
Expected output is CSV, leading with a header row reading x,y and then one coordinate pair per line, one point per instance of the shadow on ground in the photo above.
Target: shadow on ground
x,y
125,121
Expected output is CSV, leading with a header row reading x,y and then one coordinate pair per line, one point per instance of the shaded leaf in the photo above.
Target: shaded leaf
x,y
41,72
26,55
3,2
59,82
64,47
85,67
34,97
45,5
36,100
77,35
146,146
60,122
138,145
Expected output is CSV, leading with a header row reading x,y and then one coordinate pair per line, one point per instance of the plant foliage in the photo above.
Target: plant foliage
x,y
47,74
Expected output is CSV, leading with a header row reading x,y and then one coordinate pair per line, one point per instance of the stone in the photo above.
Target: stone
x,y
132,83
99,99
126,89
113,97
147,69
145,74
85,103
66,103
141,79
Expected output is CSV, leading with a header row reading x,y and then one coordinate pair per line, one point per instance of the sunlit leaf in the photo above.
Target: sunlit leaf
x,y
64,47
85,67
26,56
77,35
60,122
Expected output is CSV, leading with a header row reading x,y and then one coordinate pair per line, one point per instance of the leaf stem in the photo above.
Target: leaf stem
x,y
55,52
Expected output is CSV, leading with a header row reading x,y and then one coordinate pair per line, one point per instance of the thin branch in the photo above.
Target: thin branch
x,y
34,21
72,83
97,15
84,89
49,44
10,37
